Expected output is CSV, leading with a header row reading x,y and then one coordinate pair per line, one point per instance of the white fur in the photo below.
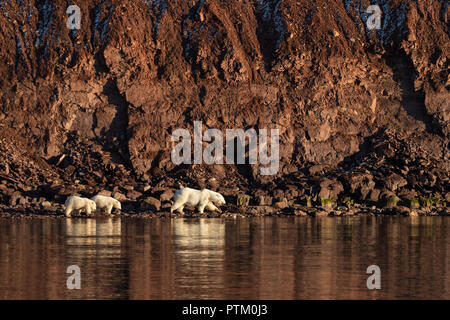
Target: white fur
x,y
74,203
106,203
197,198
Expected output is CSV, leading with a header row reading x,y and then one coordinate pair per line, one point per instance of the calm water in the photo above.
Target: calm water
x,y
261,258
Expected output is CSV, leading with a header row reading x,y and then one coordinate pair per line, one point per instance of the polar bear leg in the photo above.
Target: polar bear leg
x,y
204,200
68,211
178,204
211,207
203,204
201,208
88,209
180,209
109,209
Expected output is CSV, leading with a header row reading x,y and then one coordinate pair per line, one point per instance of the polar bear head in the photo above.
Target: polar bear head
x,y
217,198
117,205
92,205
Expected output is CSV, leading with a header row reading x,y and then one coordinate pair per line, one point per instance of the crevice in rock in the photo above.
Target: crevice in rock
x,y
161,67
117,135
245,169
202,94
158,8
444,10
271,29
404,74
45,19
100,61
190,31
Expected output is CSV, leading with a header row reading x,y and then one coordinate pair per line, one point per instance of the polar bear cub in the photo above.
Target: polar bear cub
x,y
106,203
74,203
197,198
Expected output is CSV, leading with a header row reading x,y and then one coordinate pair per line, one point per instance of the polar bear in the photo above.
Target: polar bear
x,y
106,203
74,203
197,198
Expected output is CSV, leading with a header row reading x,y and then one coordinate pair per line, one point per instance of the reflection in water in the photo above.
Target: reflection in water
x,y
199,250
263,258
94,246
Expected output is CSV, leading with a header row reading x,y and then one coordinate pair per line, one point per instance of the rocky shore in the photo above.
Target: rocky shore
x,y
381,182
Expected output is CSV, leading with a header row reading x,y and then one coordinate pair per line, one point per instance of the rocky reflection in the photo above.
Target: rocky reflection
x,y
31,258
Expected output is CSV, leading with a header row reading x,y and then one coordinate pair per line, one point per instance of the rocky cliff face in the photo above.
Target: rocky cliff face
x,y
99,104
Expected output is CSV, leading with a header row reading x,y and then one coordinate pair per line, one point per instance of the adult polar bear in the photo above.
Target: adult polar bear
x,y
74,203
197,198
106,203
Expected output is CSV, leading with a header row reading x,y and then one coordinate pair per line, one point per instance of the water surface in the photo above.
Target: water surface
x,y
258,258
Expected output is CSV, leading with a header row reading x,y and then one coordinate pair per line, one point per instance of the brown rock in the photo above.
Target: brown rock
x,y
300,213
388,199
133,195
212,184
119,196
281,204
129,188
6,191
395,181
144,188
401,210
413,213
322,213
23,201
46,205
13,200
374,195
166,196
150,203
361,184
264,201
329,189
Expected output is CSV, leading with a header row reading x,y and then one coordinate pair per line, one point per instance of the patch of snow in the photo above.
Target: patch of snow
x,y
310,15
104,33
44,22
339,22
100,28
158,8
190,32
444,9
393,19
270,10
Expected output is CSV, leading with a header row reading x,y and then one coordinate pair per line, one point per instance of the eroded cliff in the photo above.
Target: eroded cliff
x,y
98,104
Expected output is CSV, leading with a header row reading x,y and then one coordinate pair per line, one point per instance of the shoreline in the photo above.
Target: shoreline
x,y
234,211
357,189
